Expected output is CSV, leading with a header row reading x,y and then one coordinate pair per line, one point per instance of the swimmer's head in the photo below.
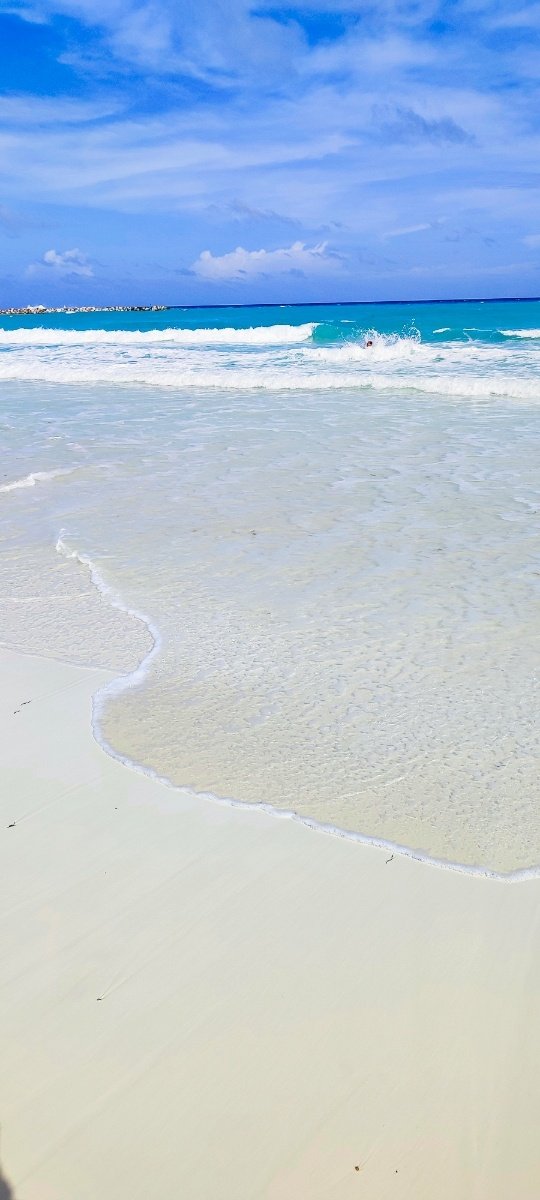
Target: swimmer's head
x,y
369,343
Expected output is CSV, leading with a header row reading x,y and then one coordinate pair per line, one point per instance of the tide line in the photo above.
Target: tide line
x,y
134,678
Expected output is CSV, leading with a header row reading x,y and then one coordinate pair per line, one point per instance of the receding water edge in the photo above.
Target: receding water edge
x,y
124,682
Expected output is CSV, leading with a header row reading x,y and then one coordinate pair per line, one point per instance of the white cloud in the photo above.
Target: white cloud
x,y
243,264
67,262
532,240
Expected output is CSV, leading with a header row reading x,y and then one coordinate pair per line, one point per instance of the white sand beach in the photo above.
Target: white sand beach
x,y
210,1003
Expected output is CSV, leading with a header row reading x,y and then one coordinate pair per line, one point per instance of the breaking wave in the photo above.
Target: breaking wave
x,y
312,357
263,335
243,380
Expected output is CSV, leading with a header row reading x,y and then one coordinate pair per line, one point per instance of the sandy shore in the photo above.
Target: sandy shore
x,y
204,1003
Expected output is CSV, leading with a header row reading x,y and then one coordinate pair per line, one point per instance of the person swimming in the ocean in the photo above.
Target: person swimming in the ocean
x,y
369,343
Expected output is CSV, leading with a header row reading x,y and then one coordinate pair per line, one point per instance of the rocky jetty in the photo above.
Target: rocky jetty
x,y
33,310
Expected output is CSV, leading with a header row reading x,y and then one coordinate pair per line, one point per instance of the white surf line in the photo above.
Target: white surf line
x,y
133,678
257,335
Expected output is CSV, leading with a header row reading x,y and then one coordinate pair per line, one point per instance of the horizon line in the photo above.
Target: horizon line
x,y
353,303
18,310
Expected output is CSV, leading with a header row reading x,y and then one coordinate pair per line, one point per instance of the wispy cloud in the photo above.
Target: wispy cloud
x,y
10,221
28,110
527,17
409,229
241,212
406,125
207,42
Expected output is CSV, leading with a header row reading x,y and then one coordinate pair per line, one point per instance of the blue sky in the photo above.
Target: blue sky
x,y
165,151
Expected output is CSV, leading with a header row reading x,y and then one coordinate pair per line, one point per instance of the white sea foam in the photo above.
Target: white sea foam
x,y
35,477
262,335
257,361
521,333
270,376
133,678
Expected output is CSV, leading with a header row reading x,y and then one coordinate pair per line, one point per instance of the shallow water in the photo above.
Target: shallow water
x,y
336,548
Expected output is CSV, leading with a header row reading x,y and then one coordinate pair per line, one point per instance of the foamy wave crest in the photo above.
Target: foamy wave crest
x,y
262,335
35,477
242,379
520,333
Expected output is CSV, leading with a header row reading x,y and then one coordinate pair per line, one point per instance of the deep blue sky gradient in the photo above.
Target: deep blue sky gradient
x,y
159,151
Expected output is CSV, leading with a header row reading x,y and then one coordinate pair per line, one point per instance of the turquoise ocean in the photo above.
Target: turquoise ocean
x,y
311,566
